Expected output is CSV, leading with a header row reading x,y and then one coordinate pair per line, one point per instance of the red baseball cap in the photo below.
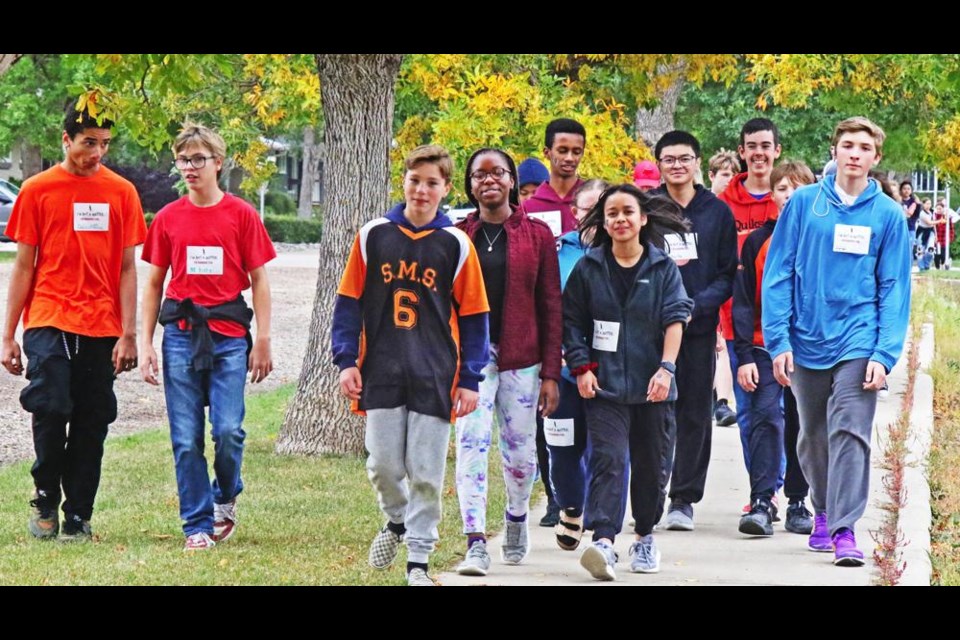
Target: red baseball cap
x,y
646,174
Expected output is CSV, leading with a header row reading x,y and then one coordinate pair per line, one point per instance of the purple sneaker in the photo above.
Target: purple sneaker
x,y
846,554
820,538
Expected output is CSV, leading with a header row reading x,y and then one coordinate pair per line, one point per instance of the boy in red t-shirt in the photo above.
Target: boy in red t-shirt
x,y
215,246
75,284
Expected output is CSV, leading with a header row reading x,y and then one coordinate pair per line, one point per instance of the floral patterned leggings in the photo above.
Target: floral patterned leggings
x,y
513,394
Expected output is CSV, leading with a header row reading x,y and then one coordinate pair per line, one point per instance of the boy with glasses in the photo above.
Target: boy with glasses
x,y
215,246
707,257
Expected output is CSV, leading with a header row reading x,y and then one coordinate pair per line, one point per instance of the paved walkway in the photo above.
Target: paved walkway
x,y
716,553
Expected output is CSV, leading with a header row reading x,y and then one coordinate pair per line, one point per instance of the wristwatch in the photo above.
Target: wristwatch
x,y
669,367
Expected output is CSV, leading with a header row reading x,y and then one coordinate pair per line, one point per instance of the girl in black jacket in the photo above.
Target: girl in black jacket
x,y
624,309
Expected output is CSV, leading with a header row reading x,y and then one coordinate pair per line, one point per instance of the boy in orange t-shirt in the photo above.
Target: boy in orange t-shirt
x,y
74,283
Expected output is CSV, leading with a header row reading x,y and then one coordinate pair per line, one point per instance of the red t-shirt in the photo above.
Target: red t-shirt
x,y
210,250
80,226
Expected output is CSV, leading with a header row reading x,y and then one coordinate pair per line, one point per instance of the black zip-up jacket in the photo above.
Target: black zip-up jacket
x,y
656,300
709,278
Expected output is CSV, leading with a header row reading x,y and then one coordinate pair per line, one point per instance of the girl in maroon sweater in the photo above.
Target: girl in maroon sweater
x,y
518,258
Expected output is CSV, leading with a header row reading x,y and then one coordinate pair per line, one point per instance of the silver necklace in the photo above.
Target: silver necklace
x,y
490,242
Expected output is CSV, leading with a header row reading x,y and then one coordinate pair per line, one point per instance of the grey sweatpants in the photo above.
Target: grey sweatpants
x,y
836,423
408,456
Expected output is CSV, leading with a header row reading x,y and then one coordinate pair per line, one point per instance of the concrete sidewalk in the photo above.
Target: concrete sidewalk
x,y
715,553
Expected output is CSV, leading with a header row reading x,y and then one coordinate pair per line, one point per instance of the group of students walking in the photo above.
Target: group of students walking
x,y
74,284
582,322
595,308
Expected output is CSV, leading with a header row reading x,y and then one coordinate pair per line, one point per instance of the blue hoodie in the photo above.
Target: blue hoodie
x,y
569,251
828,306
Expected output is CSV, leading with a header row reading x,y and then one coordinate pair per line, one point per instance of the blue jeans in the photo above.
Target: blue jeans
x,y
744,410
187,391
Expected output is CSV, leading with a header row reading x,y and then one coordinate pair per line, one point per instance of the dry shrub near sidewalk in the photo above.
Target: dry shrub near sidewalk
x,y
940,302
890,541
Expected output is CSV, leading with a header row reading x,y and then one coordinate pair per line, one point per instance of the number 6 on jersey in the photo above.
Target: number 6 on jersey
x,y
404,314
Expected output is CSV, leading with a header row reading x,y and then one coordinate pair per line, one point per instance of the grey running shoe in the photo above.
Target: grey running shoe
x,y
646,556
599,559
477,560
419,578
44,522
759,521
75,529
516,544
679,517
383,549
799,520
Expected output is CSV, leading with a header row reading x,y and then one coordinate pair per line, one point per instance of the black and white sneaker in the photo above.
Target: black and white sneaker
x,y
384,548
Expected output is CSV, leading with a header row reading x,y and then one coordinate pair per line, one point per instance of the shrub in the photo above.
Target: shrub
x,y
288,229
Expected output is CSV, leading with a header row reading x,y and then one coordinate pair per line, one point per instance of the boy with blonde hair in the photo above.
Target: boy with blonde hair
x,y
215,246
836,293
410,338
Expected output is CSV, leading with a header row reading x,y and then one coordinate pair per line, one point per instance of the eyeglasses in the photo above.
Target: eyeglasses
x,y
683,161
497,173
197,162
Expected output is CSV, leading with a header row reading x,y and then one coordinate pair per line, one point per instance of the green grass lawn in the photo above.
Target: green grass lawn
x,y
940,302
8,256
301,520
952,274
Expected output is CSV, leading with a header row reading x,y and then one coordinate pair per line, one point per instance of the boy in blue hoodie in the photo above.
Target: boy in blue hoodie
x,y
836,292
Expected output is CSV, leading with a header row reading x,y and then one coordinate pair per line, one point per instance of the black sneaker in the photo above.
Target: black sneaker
x,y
75,529
759,522
799,520
724,415
43,523
552,517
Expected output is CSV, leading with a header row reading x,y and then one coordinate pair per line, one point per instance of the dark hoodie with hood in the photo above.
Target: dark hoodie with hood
x,y
709,278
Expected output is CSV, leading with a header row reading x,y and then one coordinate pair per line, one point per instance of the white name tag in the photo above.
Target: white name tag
x,y
552,218
205,261
848,238
91,216
681,247
559,433
605,335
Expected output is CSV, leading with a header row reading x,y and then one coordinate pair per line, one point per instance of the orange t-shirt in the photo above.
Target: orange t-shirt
x,y
80,226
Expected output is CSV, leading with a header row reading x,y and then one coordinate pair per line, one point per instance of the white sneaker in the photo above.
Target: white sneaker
x,y
199,542
419,578
224,520
476,562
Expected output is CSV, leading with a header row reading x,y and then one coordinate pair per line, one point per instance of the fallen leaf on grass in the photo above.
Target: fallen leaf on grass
x,y
162,536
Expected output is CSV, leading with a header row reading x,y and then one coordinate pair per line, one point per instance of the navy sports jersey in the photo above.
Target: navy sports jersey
x,y
412,286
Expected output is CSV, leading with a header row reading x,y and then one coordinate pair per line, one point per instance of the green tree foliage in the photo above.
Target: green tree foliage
x,y
32,98
246,97
916,98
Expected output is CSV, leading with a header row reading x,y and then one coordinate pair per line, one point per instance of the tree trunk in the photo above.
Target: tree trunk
x,y
31,162
653,123
7,60
357,96
308,172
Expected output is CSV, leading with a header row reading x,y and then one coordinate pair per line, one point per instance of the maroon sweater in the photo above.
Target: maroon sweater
x,y
532,324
